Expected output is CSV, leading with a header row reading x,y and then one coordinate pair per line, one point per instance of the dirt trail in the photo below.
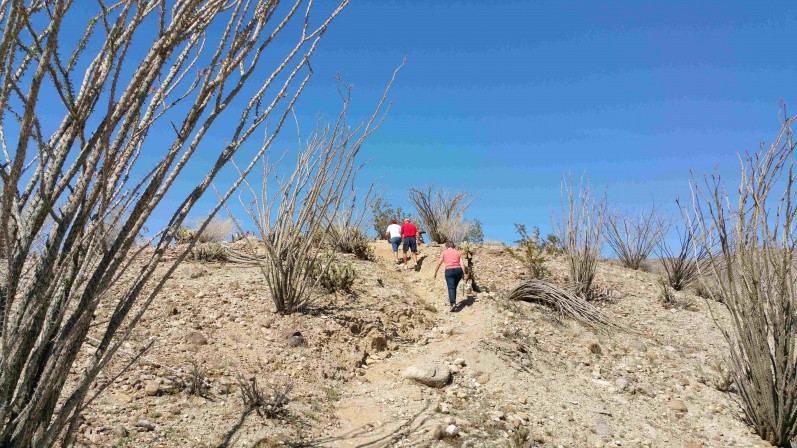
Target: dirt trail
x,y
381,408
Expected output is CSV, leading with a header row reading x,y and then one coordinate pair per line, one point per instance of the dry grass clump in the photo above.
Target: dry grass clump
x,y
632,238
266,403
752,242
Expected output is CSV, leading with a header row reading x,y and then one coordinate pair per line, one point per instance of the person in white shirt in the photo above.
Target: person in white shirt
x,y
393,234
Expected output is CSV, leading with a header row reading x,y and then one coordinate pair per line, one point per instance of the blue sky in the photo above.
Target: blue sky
x,y
499,99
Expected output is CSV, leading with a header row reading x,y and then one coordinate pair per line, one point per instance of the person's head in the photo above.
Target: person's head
x,y
450,244
406,219
393,221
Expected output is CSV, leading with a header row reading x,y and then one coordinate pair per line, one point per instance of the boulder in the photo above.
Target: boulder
x,y
433,374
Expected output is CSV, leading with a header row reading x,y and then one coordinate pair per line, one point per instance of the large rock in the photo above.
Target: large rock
x,y
432,374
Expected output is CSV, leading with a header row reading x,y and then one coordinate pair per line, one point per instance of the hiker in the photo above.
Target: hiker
x,y
409,232
455,271
393,234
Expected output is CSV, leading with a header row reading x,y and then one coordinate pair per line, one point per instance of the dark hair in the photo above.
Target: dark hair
x,y
393,221
450,244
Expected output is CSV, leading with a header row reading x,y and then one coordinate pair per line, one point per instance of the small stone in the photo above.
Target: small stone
x,y
146,425
594,348
433,374
119,431
196,338
459,362
452,430
522,400
152,388
603,429
621,384
677,406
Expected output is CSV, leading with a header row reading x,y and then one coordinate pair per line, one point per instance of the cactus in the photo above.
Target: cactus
x,y
335,276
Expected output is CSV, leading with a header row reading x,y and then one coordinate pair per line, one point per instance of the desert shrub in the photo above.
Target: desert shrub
x,y
474,233
208,252
350,240
293,223
79,110
531,251
382,213
184,235
441,213
335,276
633,238
266,403
682,267
521,438
216,231
752,241
579,227
706,287
197,383
669,299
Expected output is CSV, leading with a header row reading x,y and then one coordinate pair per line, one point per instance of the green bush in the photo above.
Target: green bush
x,y
354,241
208,252
383,212
531,251
184,235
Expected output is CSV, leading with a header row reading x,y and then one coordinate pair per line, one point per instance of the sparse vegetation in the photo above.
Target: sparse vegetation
x,y
531,251
295,223
216,230
751,247
669,299
682,267
351,240
87,89
579,227
271,403
382,212
208,252
442,214
565,302
335,276
633,238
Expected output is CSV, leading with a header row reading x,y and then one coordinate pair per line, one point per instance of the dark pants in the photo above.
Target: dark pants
x,y
453,276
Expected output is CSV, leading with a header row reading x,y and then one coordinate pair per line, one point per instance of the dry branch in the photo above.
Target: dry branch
x,y
76,195
563,301
751,245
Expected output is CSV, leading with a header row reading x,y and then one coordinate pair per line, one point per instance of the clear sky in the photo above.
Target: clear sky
x,y
500,98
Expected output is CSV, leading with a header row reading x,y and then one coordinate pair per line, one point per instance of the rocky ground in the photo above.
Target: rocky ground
x,y
492,373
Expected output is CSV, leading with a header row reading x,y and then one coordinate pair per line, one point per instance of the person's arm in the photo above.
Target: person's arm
x,y
437,268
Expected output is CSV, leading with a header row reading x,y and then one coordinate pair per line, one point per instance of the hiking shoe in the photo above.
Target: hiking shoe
x,y
453,307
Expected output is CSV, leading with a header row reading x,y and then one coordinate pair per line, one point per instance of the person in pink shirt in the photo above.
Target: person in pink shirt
x,y
455,271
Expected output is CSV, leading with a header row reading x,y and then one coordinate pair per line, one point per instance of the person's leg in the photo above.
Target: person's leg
x,y
451,282
406,247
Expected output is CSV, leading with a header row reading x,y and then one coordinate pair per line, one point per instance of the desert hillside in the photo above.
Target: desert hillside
x,y
518,370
